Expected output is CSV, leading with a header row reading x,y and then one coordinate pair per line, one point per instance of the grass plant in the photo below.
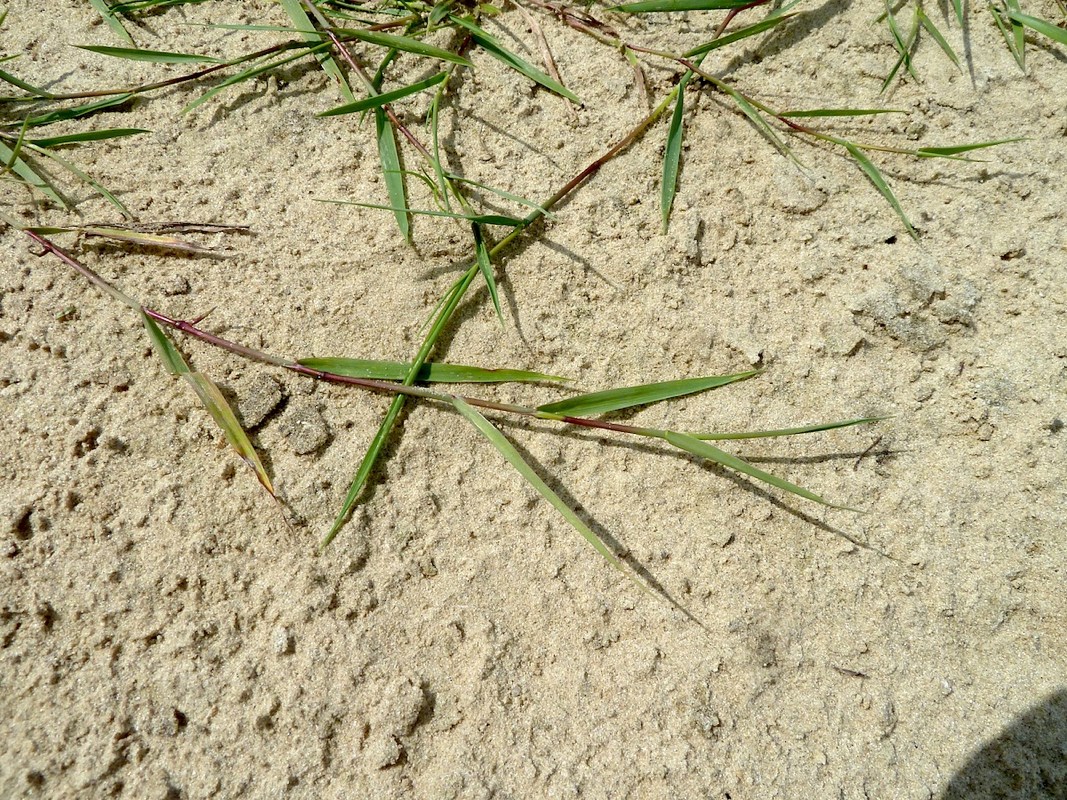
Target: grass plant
x,y
395,31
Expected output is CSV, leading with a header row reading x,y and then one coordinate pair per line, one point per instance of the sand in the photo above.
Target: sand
x,y
165,632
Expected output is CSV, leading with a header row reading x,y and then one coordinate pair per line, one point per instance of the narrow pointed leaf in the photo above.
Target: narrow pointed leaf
x,y
957,5
83,110
931,28
172,359
672,154
1043,27
84,177
404,43
87,136
154,56
660,6
224,417
721,457
21,167
486,268
492,46
300,19
378,100
428,373
936,152
394,181
757,119
872,172
113,22
513,457
823,426
7,77
481,219
841,112
252,72
587,405
522,201
210,396
903,47
738,35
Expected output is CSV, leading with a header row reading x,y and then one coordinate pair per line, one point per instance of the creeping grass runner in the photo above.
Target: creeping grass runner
x,y
328,32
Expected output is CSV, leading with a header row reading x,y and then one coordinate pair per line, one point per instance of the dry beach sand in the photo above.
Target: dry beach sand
x,y
165,634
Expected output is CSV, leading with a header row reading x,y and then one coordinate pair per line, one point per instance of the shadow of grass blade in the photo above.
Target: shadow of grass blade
x,y
428,373
721,457
391,169
154,56
211,397
586,405
666,6
113,22
513,457
1041,26
840,112
871,171
492,46
486,268
379,100
822,426
672,154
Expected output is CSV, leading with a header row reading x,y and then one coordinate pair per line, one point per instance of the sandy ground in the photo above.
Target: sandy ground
x,y
165,634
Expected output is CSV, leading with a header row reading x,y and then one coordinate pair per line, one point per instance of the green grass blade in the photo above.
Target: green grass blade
x,y
658,6
172,359
586,405
405,43
757,120
113,22
672,154
438,168
522,201
942,152
872,172
83,110
7,77
379,100
738,35
210,396
20,167
957,5
224,417
1008,30
391,169
1018,33
931,28
486,268
154,56
252,72
513,457
505,56
428,373
84,177
840,112
1043,27
87,136
481,219
823,426
903,47
722,458
301,20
